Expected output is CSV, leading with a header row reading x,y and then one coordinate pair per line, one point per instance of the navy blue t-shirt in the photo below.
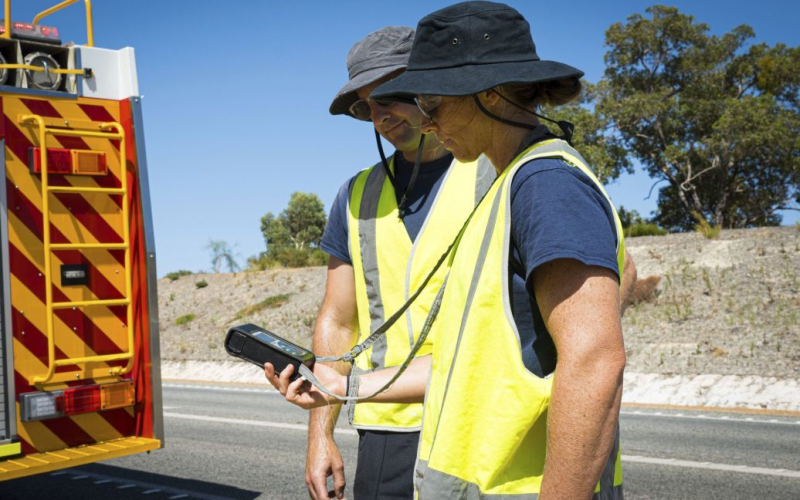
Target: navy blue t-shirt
x,y
556,212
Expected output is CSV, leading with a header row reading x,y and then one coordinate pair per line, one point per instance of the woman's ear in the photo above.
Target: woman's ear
x,y
490,97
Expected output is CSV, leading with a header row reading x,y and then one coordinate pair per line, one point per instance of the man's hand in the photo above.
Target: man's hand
x,y
627,283
301,392
335,333
322,460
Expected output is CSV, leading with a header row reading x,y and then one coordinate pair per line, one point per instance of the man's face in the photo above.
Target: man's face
x,y
398,123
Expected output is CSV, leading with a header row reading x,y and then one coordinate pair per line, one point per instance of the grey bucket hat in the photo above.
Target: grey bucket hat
x,y
378,54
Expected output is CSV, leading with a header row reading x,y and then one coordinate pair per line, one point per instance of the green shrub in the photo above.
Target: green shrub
x,y
292,257
262,262
707,230
644,229
174,275
316,257
272,302
186,318
634,224
201,284
287,257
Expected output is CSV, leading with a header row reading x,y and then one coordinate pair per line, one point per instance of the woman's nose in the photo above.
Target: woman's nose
x,y
428,126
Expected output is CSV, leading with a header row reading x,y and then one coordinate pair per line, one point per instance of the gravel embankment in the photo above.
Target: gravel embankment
x,y
722,329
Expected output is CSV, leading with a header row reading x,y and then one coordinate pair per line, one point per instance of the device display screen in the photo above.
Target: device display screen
x,y
280,344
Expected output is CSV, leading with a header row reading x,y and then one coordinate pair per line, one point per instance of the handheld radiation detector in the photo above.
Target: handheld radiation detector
x,y
256,345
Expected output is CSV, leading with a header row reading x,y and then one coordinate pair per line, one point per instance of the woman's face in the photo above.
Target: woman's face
x,y
460,126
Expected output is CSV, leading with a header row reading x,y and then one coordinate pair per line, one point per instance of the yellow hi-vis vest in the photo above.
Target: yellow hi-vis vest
x,y
484,427
389,267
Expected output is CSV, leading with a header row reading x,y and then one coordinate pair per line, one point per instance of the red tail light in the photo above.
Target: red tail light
x,y
81,400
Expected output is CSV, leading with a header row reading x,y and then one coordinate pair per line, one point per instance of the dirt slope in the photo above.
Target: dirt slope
x,y
727,306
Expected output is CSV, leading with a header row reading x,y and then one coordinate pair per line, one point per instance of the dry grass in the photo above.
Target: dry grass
x,y
272,302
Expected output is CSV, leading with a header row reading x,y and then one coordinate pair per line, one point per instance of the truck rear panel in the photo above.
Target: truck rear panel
x,y
79,358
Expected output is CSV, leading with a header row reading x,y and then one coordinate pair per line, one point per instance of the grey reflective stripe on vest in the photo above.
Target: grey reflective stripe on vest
x,y
487,238
486,176
367,227
433,484
409,321
438,485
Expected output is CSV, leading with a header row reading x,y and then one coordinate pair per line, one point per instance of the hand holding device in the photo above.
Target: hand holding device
x,y
259,346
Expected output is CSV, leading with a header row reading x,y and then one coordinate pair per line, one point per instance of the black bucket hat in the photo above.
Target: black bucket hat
x,y
378,54
470,47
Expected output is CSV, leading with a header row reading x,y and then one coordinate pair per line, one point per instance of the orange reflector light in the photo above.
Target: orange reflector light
x,y
88,162
70,162
117,395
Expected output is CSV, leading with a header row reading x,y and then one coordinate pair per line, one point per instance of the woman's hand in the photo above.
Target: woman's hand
x,y
302,392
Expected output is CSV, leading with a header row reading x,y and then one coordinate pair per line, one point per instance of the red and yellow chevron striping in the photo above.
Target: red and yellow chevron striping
x,y
74,218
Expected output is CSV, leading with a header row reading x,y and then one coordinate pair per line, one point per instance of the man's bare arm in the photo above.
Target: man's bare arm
x,y
335,333
580,306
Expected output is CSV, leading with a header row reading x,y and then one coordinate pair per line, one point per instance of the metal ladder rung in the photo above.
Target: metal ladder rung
x,y
94,359
78,189
87,303
41,125
79,246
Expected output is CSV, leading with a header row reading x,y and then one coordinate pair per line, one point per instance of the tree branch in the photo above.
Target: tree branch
x,y
715,163
650,193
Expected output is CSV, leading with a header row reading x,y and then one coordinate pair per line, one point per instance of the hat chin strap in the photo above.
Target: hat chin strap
x,y
566,127
401,206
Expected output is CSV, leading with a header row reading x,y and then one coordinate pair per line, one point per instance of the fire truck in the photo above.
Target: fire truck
x,y
79,353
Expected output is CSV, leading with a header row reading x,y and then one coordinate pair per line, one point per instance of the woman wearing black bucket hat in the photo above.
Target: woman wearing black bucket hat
x,y
533,280
489,417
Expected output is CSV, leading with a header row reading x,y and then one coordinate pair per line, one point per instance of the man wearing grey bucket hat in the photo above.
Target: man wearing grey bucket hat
x,y
387,225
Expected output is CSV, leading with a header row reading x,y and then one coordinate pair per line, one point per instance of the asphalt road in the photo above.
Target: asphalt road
x,y
245,443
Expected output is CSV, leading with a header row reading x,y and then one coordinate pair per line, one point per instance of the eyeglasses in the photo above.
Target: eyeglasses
x,y
427,104
361,109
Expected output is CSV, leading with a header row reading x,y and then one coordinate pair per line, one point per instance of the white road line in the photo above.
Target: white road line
x,y
711,466
219,388
126,486
256,423
748,420
82,476
273,392
625,458
176,497
148,492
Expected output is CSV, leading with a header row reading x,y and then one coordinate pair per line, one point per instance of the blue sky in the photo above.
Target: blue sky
x,y
236,97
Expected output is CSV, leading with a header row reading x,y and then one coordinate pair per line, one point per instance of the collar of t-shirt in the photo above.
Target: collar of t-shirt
x,y
540,133
429,172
